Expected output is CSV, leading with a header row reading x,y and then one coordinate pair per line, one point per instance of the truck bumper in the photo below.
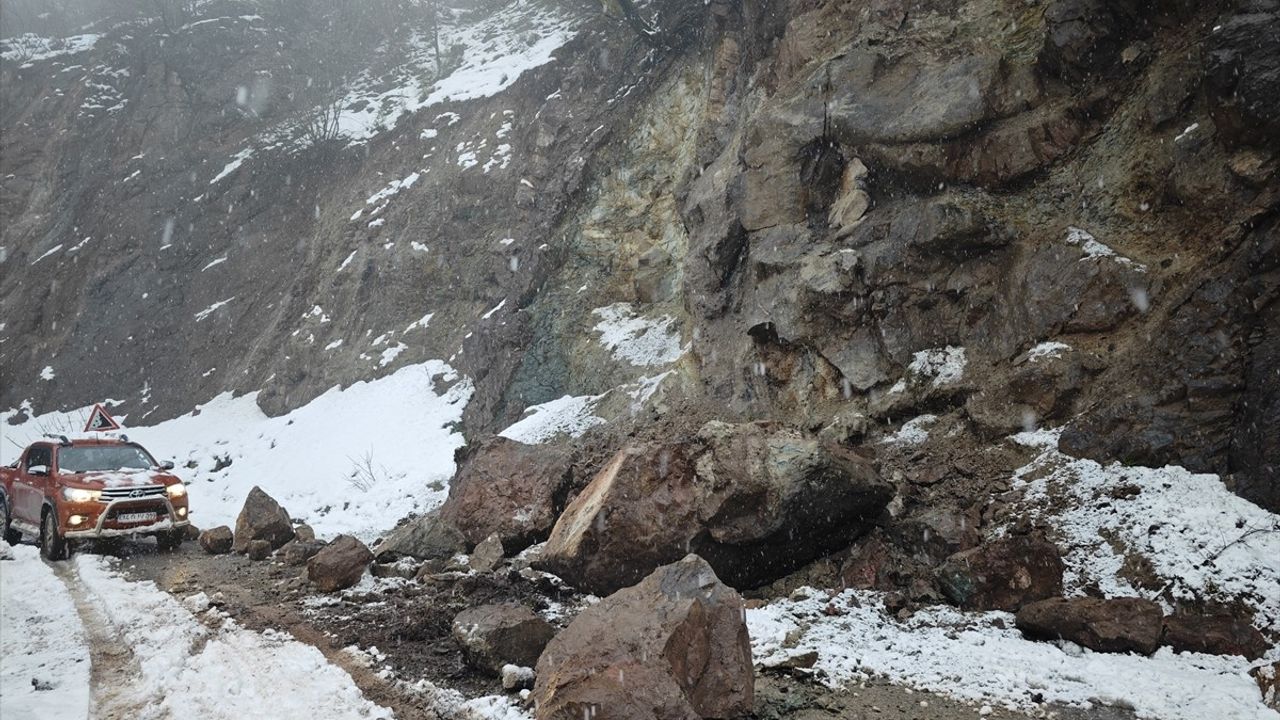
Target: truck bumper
x,y
99,530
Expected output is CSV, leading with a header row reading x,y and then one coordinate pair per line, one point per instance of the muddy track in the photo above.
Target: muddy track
x,y
113,669
375,688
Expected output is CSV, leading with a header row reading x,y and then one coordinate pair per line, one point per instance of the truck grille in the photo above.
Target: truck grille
x,y
132,493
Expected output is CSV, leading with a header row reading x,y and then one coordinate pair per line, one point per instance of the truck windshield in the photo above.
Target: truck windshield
x,y
107,457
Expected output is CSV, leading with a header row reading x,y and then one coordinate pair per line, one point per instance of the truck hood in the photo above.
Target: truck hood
x,y
127,479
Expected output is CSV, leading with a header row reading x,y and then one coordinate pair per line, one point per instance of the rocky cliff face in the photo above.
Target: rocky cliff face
x,y
837,216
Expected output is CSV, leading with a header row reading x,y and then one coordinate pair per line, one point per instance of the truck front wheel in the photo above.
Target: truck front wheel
x,y
52,545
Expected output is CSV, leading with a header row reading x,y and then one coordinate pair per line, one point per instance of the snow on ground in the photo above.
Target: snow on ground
x,y
944,366
1204,541
1094,249
383,196
45,668
212,309
236,161
638,340
1051,349
574,415
568,415
47,253
353,460
189,669
497,50
29,49
982,658
913,432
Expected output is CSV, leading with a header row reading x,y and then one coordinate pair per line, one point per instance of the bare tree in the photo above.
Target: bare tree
x,y
321,124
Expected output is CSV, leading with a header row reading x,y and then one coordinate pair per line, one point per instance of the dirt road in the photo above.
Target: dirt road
x,y
408,624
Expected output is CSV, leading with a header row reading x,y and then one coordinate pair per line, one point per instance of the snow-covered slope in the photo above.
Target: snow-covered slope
x,y
354,460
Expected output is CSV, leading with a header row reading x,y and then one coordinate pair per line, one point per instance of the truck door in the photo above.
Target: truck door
x,y
29,485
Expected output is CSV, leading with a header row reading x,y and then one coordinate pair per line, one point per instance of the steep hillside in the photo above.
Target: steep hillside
x,y
914,301
1025,177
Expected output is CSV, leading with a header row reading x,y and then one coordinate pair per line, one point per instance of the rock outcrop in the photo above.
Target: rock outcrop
x,y
673,646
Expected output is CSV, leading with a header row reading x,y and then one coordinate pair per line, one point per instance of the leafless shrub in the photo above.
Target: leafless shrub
x,y
365,473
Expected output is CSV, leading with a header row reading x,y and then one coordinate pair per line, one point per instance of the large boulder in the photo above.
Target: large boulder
x,y
262,518
339,565
756,500
673,646
488,555
258,550
492,636
1003,574
1106,625
1214,635
509,488
216,541
427,537
297,552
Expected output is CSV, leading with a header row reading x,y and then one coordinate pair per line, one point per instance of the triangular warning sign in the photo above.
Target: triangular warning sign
x,y
100,421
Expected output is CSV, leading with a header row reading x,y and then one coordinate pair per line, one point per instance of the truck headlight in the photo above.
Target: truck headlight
x,y
79,495
176,490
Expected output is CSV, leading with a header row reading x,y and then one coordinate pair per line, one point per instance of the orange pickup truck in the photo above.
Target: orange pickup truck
x,y
64,490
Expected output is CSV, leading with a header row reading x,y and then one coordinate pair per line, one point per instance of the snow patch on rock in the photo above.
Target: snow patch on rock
x,y
568,415
638,340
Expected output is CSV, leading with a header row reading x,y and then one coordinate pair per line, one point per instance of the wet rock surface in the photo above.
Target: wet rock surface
x,y
1075,198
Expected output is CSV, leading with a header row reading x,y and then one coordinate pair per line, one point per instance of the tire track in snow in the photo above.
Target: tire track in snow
x,y
112,666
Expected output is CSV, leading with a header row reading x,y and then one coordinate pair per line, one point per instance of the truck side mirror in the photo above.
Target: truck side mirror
x,y
166,465
39,470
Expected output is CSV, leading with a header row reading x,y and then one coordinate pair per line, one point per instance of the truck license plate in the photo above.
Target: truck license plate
x,y
136,517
